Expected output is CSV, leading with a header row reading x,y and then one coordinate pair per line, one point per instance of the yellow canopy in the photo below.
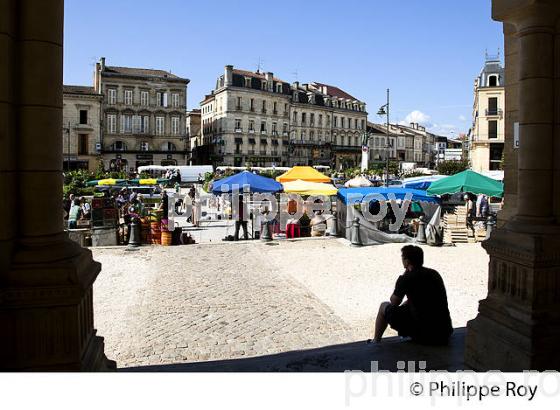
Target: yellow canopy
x,y
303,173
148,181
108,181
309,188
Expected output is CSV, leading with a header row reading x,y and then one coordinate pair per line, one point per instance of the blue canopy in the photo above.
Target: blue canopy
x,y
254,182
356,195
422,183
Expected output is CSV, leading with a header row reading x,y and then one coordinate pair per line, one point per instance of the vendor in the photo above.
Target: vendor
x,y
74,214
318,224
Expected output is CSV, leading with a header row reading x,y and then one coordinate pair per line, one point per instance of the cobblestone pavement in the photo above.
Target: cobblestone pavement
x,y
163,305
194,303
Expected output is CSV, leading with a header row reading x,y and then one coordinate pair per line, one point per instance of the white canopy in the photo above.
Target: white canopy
x,y
358,182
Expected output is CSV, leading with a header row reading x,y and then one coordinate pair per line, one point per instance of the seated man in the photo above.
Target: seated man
x,y
424,316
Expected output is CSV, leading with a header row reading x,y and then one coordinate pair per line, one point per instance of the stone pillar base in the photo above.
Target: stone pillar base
x,y
46,309
518,325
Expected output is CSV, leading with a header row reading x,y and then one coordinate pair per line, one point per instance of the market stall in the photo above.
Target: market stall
x,y
467,181
308,174
350,213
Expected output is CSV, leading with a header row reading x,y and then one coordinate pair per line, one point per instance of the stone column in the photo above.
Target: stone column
x,y
511,52
46,305
518,325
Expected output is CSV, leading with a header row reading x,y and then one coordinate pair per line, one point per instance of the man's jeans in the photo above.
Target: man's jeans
x,y
237,225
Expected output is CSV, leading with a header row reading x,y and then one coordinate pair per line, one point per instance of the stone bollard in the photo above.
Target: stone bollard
x,y
355,233
265,231
490,223
331,225
134,239
421,234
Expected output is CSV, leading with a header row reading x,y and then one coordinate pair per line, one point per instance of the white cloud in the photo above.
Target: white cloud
x,y
424,119
462,118
417,117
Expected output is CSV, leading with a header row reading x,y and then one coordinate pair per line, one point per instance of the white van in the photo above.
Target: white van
x,y
193,173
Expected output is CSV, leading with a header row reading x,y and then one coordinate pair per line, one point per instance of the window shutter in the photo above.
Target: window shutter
x,y
122,124
165,100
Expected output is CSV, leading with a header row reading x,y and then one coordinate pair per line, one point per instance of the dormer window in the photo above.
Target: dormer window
x,y
263,85
248,82
279,88
493,81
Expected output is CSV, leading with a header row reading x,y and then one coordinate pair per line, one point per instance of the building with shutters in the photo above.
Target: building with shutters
x,y
486,137
143,117
81,127
256,119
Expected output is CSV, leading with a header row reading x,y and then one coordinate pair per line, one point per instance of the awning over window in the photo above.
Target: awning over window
x,y
274,142
239,140
264,141
252,141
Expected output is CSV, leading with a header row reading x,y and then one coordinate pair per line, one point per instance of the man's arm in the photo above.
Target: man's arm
x,y
395,300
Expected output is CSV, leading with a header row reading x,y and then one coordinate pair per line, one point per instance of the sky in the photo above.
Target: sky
x,y
427,53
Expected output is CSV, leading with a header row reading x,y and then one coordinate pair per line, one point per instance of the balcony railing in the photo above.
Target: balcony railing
x,y
496,112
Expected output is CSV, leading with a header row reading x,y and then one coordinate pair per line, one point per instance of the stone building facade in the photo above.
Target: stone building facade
x,y
413,144
254,118
198,156
144,115
81,127
486,139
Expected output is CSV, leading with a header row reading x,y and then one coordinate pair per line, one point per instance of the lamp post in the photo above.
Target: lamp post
x,y
68,147
384,110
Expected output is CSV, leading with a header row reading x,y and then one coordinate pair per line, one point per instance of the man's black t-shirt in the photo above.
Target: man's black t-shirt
x,y
427,302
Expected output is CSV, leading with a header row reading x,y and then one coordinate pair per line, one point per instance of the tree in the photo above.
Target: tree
x,y
452,167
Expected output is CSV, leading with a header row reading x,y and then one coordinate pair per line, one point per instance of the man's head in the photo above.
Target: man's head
x,y
412,257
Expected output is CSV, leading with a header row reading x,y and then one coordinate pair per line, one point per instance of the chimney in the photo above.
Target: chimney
x,y
269,81
228,75
102,63
295,85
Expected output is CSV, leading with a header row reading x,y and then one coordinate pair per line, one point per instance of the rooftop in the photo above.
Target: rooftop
x,y
78,89
333,91
142,73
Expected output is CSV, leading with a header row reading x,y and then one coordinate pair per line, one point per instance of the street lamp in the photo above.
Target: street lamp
x,y
384,110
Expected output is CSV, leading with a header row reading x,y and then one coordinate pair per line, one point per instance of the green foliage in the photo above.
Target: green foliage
x,y
75,183
452,167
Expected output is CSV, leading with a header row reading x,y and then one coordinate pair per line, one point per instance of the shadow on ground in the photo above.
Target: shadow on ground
x,y
338,358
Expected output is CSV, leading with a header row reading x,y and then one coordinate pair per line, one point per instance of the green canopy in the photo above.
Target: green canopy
x,y
467,181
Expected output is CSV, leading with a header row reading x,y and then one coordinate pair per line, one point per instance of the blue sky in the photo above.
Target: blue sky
x,y
427,52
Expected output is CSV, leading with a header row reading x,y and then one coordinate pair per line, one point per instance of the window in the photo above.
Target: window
x,y
144,98
363,124
82,144
176,100
118,146
263,127
492,129
335,121
128,97
355,123
175,125
160,125
252,105
144,124
144,146
278,88
274,132
285,109
126,123
112,123
295,117
83,116
492,106
112,96
303,118
285,129
341,122
493,81
320,120
161,99
238,125
251,126
311,119
168,146
248,82
274,106
263,106
238,103
263,85
311,135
